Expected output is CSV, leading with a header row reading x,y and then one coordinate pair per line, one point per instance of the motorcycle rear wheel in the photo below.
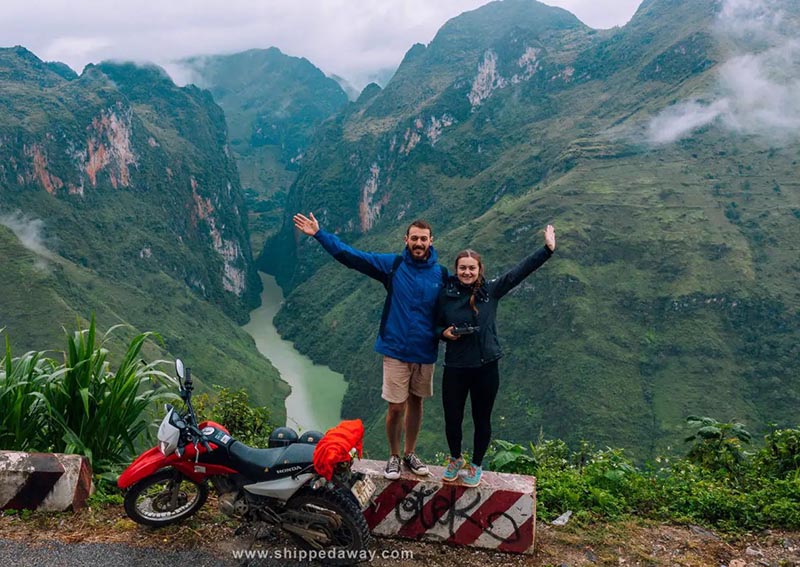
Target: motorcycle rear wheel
x,y
164,498
351,539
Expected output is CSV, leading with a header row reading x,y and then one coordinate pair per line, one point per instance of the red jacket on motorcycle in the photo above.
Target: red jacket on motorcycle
x,y
335,445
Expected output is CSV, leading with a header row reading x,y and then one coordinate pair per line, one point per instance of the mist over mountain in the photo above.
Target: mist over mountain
x,y
273,103
758,84
674,288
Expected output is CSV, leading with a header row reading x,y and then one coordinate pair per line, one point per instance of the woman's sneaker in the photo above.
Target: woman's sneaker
x,y
392,471
452,468
415,465
471,475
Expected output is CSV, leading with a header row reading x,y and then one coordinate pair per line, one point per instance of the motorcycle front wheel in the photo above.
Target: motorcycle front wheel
x,y
164,498
347,536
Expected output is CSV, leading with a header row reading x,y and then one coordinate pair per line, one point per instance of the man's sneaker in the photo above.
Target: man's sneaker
x,y
471,475
415,465
392,471
452,468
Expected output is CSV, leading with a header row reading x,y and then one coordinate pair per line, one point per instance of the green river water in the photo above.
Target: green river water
x,y
317,391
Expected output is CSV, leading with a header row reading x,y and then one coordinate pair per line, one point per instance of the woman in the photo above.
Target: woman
x,y
465,318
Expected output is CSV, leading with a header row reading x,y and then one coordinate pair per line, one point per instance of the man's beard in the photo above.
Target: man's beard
x,y
415,249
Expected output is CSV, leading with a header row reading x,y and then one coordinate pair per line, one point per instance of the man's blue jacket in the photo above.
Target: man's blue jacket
x,y
407,332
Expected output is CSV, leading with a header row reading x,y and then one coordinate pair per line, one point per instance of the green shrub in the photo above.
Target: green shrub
x,y
510,457
717,446
250,425
780,456
716,484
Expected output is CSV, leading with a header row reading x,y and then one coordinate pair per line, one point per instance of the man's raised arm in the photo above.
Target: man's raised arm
x,y
374,265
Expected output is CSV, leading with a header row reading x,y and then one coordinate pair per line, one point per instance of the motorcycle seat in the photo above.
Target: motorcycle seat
x,y
262,464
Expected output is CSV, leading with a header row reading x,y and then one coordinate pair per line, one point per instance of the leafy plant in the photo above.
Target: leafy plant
x,y
717,446
231,408
21,383
101,413
510,457
780,456
80,406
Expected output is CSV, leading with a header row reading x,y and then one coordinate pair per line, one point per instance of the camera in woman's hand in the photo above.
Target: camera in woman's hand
x,y
464,329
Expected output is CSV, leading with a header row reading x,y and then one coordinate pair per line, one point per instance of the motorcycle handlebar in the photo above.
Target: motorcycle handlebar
x,y
199,436
188,385
191,418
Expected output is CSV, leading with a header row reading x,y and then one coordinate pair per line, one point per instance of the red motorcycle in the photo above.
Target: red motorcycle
x,y
278,486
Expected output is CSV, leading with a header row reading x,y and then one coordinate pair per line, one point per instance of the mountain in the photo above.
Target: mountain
x,y
350,90
273,103
674,287
120,197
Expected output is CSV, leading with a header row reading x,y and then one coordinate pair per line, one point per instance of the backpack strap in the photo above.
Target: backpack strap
x,y
387,283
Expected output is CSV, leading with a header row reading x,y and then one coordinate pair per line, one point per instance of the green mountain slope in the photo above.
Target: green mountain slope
x,y
137,202
674,289
273,104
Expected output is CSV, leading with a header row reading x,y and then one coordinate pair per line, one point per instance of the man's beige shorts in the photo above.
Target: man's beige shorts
x,y
401,378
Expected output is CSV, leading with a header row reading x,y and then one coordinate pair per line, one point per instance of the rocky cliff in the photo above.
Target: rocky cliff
x,y
133,189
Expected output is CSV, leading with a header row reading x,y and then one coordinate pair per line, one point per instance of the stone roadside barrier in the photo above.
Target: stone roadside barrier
x,y
50,482
500,513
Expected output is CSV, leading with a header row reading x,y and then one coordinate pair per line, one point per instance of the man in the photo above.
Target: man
x,y
406,338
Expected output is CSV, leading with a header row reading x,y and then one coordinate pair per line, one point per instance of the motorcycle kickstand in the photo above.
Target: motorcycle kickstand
x,y
270,535
241,531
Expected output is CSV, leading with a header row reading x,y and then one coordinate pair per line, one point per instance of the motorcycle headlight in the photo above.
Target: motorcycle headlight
x,y
168,435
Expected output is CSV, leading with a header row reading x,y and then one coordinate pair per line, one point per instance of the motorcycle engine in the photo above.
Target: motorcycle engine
x,y
233,504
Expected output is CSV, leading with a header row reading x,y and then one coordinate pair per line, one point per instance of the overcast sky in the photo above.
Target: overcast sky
x,y
355,39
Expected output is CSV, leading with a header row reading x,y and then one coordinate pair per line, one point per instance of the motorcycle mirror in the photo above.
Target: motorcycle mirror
x,y
179,368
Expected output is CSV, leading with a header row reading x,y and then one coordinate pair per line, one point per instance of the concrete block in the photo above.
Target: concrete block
x,y
500,513
51,482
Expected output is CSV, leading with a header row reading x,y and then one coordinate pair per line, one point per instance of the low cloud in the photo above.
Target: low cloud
x,y
765,91
354,40
28,231
752,20
758,92
682,119
183,74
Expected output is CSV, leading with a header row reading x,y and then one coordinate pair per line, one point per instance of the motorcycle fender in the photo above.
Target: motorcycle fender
x,y
281,489
145,464
153,459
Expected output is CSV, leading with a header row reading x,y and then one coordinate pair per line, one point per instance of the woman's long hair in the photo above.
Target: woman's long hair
x,y
479,281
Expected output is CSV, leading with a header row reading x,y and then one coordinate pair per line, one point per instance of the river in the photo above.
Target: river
x,y
317,391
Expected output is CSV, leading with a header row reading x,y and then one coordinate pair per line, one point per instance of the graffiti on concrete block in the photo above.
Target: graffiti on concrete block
x,y
453,506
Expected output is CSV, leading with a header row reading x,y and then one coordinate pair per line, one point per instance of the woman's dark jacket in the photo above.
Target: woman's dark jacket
x,y
453,308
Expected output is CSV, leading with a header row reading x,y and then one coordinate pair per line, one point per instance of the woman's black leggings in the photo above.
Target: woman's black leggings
x,y
481,384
